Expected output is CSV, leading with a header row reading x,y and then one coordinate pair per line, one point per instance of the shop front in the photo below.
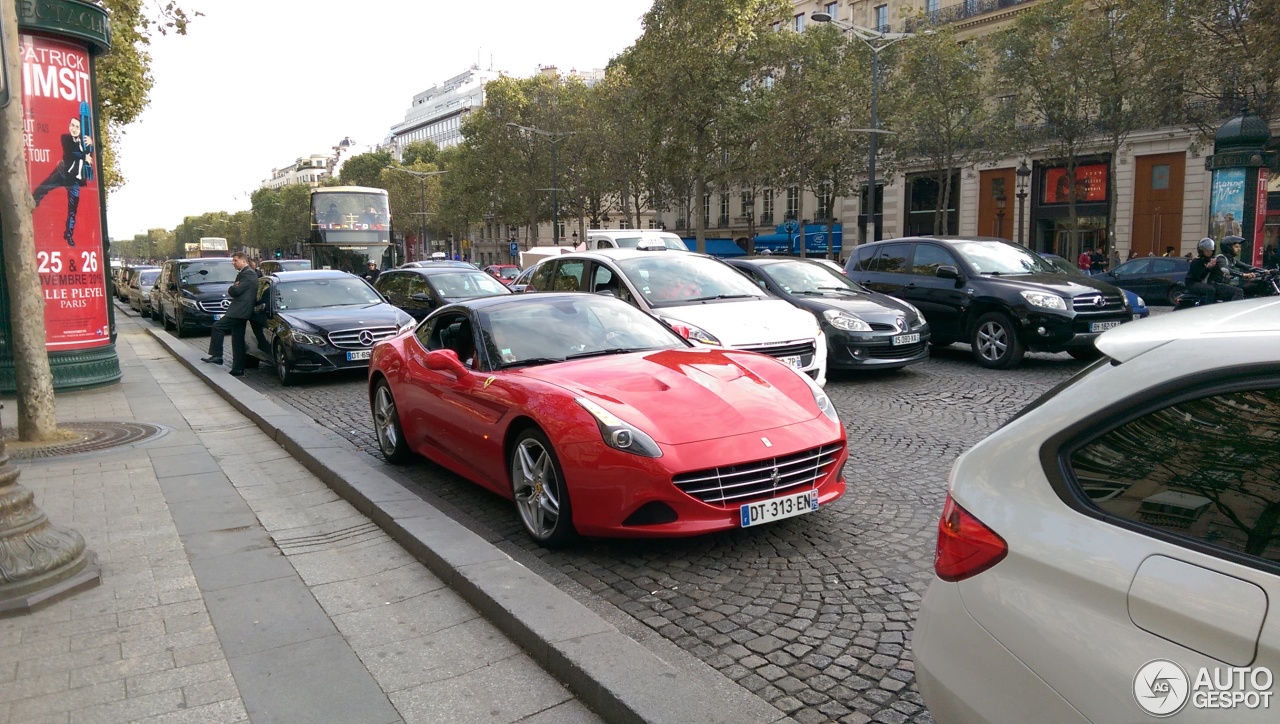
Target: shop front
x,y
1051,213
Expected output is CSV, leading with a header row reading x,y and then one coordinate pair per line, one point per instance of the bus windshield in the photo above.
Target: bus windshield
x,y
349,210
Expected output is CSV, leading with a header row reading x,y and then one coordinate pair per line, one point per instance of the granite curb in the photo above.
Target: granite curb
x,y
616,676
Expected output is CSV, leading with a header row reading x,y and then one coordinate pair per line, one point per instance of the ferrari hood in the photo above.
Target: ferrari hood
x,y
689,395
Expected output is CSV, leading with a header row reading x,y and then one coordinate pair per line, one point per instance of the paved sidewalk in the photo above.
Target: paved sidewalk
x,y
237,586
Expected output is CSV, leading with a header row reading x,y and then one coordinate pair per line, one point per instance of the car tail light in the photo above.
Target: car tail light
x,y
966,547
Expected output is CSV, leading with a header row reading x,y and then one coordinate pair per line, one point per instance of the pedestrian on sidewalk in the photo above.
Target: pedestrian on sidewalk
x,y
233,322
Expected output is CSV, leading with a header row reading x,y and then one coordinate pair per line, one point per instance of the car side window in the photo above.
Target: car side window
x,y
569,276
417,284
1164,266
1137,266
755,275
865,259
541,279
893,258
603,244
1203,469
928,257
604,280
451,331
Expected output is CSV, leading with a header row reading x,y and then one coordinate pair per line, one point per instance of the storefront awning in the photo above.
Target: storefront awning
x,y
773,242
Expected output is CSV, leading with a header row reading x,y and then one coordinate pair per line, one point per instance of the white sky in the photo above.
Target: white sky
x,y
255,84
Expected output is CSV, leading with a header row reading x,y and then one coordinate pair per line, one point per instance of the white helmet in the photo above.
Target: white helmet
x,y
1206,244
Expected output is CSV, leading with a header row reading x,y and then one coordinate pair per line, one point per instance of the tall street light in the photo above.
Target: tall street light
x,y
1023,175
876,41
554,137
422,176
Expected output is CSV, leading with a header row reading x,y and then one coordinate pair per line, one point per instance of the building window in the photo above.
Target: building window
x,y
831,9
766,203
624,224
925,195
882,18
931,7
653,223
799,23
706,208
826,204
561,225
724,209
748,204
793,202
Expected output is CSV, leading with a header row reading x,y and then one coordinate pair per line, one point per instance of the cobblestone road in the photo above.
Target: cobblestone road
x,y
814,613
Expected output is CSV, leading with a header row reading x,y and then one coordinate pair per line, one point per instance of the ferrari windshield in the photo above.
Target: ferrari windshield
x,y
314,293
667,280
998,257
537,329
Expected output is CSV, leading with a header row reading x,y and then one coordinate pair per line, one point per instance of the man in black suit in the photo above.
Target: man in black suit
x,y
233,322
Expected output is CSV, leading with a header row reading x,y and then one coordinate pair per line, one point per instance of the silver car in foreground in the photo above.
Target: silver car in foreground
x,y
1112,554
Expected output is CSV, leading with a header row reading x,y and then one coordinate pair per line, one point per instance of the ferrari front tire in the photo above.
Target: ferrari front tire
x,y
537,484
386,422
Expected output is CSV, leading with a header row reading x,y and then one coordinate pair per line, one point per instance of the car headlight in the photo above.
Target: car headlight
x,y
1045,300
188,303
308,338
696,334
845,321
820,397
620,435
1141,302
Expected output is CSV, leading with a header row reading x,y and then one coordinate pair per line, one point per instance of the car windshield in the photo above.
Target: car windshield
x,y
296,265
539,330
998,257
809,278
207,273
1062,266
466,285
508,272
148,278
674,279
313,293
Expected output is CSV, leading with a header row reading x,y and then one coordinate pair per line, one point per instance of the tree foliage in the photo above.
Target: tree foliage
x,y
365,169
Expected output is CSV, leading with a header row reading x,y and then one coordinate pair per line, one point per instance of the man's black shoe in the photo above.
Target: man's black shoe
x,y
237,373
212,360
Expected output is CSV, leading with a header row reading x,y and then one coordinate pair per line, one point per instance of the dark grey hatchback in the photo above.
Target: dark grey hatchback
x,y
999,297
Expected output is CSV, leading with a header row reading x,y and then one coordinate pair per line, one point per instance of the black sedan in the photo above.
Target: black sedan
x,y
320,321
421,290
1155,278
864,329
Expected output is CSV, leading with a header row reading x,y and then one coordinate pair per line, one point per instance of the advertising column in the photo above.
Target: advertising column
x,y
61,131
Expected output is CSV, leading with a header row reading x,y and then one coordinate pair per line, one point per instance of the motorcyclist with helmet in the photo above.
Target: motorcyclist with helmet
x,y
1241,274
1208,278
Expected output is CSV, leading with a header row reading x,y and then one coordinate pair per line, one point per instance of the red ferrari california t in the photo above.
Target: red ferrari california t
x,y
598,420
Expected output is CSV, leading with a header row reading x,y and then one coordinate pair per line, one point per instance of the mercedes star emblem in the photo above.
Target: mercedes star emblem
x,y
366,338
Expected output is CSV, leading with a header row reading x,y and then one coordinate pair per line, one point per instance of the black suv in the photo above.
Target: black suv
x,y
191,294
995,295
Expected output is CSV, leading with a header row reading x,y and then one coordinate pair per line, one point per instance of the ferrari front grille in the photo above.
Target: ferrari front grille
x,y
734,484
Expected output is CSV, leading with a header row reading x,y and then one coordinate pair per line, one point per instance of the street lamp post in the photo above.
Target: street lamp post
x,y
555,137
1023,175
1000,205
422,176
876,41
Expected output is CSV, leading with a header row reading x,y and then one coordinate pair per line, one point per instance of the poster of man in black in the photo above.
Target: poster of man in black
x,y
73,171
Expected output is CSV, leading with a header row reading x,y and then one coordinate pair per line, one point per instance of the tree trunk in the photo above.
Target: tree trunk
x,y
37,419
832,254
1112,200
1073,213
699,213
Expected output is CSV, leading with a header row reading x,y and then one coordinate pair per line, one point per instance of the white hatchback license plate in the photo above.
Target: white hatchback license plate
x,y
1103,326
906,339
788,506
792,362
362,354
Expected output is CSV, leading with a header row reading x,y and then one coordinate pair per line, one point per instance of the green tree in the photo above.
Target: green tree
x,y
1227,56
424,152
690,66
281,217
365,169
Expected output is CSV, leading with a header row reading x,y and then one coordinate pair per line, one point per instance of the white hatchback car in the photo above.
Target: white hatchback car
x,y
708,301
1113,552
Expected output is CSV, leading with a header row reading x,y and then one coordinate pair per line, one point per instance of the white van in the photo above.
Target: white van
x,y
630,239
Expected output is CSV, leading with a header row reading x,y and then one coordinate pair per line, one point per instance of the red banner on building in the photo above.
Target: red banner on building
x,y
1091,184
1260,217
57,98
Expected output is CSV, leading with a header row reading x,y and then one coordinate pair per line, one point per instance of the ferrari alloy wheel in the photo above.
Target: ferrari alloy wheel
x,y
995,342
538,488
386,421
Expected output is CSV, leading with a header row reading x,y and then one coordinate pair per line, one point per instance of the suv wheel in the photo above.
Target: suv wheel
x,y
995,342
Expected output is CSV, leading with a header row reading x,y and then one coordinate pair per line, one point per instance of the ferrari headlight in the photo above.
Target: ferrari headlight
x,y
845,321
308,338
1045,300
620,435
820,398
696,334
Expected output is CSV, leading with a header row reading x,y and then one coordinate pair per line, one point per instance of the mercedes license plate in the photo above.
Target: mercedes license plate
x,y
357,355
788,506
906,339
1103,326
792,362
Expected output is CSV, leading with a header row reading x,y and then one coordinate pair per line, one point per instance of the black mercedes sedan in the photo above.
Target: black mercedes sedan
x,y
319,321
421,290
864,329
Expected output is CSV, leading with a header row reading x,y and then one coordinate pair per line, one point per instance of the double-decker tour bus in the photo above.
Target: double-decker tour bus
x,y
213,246
350,226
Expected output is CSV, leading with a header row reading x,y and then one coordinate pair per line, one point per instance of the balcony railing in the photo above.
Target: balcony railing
x,y
960,11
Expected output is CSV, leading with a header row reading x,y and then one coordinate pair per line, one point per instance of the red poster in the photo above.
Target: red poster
x,y
1260,217
57,100
1091,184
